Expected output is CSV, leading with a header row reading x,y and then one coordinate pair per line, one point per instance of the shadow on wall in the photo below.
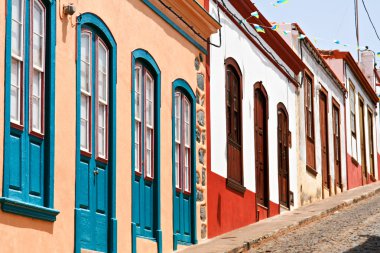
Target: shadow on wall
x,y
14,220
371,245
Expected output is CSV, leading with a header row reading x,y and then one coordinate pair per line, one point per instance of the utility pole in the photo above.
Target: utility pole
x,y
357,28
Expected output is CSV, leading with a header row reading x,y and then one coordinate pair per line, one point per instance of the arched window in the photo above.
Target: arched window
x,y
234,126
183,142
29,109
145,147
184,197
96,136
144,121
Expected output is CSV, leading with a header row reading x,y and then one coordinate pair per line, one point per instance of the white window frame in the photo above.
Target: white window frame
x,y
37,69
102,102
19,59
149,165
138,117
187,145
87,93
177,133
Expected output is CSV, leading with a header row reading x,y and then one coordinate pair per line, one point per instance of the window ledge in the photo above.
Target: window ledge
x,y
28,210
233,185
147,238
311,170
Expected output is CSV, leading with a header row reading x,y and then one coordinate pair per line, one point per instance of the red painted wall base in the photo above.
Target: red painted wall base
x,y
229,210
354,174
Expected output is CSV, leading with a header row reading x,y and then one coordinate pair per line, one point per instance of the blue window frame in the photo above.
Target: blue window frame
x,y
146,214
183,155
29,109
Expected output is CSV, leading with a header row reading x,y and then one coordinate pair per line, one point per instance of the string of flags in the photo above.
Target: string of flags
x,y
275,27
278,2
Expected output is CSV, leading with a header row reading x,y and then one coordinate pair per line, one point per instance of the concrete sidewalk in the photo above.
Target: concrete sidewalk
x,y
241,240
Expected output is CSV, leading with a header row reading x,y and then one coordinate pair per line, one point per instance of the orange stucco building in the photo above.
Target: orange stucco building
x,y
102,149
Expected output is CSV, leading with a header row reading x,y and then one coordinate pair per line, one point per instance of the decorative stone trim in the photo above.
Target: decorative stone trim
x,y
201,133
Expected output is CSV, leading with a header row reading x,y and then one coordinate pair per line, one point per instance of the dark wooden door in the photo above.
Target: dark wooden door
x,y
233,118
362,141
337,164
262,192
283,155
324,140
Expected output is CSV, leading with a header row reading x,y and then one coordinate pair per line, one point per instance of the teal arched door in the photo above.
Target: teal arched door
x,y
184,224
95,199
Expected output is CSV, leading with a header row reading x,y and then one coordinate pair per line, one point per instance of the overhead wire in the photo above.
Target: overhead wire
x,y
192,27
241,22
369,17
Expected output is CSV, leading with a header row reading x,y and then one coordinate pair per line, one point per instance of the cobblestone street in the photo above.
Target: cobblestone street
x,y
354,229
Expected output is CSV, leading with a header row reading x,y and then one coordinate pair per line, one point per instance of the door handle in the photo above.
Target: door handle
x,y
96,172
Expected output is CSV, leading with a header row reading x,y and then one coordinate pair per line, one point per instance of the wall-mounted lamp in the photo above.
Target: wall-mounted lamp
x,y
69,9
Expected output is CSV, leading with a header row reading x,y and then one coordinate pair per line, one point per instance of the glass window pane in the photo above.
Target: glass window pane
x,y
149,100
102,60
137,146
15,92
85,77
37,51
83,134
85,122
38,34
178,130
148,164
15,73
36,114
102,71
101,86
148,152
148,139
352,100
36,102
85,62
36,84
138,106
17,10
177,184
148,88
85,45
38,18
101,142
17,27
102,116
84,107
138,93
186,170
16,38
14,104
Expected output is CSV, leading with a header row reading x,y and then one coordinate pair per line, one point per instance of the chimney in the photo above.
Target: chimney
x,y
367,66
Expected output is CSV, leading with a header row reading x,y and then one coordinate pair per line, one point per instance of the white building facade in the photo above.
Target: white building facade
x,y
254,84
322,160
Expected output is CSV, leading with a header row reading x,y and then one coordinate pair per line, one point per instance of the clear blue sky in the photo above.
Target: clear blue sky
x,y
328,20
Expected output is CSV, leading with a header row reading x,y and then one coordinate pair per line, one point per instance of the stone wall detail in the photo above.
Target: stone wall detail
x,y
201,149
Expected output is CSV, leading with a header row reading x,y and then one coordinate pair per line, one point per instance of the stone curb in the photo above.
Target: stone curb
x,y
346,203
